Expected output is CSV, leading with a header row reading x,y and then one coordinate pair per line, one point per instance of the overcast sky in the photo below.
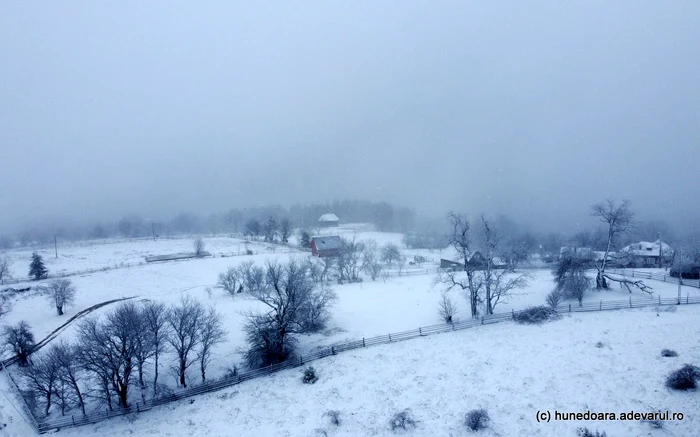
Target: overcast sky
x,y
534,109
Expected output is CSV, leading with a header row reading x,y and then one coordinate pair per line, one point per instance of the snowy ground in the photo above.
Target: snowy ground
x,y
510,370
363,309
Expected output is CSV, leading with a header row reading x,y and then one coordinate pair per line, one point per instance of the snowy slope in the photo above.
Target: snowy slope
x,y
511,370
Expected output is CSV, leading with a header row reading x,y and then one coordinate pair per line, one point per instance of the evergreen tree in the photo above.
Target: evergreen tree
x,y
304,240
37,269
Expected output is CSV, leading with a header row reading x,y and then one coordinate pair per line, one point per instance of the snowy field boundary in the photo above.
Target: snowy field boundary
x,y
208,387
664,277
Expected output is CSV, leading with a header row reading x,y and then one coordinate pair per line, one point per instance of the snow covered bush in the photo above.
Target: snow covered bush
x,y
402,421
309,375
683,378
669,353
534,315
334,416
554,298
585,432
477,420
229,281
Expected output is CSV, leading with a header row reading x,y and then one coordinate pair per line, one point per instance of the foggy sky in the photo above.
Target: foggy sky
x,y
531,109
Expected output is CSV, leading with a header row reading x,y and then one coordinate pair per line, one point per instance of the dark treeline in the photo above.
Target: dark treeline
x,y
384,216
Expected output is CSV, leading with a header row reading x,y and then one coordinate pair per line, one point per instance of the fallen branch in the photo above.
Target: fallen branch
x,y
626,283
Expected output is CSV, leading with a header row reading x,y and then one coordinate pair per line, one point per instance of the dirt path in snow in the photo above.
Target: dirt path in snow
x,y
61,328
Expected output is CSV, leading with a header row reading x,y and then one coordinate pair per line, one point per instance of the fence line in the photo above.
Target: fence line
x,y
230,381
665,277
28,411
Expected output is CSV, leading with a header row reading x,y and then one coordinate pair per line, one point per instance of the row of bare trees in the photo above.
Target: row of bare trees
x,y
271,230
486,275
116,352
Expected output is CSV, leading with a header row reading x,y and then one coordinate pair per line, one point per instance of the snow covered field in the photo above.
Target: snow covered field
x,y
363,309
510,370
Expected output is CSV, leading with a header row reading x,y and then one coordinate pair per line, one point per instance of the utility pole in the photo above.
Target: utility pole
x,y
55,245
153,228
680,274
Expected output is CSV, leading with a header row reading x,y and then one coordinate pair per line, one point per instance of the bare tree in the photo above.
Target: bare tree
x,y
252,277
155,320
60,293
401,263
391,253
65,355
349,258
185,320
466,277
285,229
271,229
4,269
253,228
370,260
20,340
111,347
198,245
447,308
211,333
294,304
229,281
619,220
5,305
91,357
42,376
499,277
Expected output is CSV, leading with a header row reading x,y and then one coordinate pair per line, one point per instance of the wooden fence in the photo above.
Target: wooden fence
x,y
659,276
208,387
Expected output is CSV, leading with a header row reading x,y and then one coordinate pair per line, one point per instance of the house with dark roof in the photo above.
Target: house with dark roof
x,y
326,247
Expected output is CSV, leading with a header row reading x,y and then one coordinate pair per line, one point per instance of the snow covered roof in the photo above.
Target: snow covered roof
x,y
328,243
645,248
330,217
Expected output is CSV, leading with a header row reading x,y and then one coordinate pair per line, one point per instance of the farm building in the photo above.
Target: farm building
x,y
644,253
325,247
328,220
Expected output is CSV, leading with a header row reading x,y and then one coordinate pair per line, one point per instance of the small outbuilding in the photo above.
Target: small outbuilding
x,y
329,220
326,247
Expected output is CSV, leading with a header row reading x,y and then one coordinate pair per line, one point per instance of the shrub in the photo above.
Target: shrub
x,y
402,420
334,416
683,378
309,375
476,419
600,345
535,315
585,432
655,423
669,353
554,298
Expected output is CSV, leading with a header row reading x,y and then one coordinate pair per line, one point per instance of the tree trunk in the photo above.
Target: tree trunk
x,y
203,367
122,392
140,365
155,377
59,310
48,402
182,373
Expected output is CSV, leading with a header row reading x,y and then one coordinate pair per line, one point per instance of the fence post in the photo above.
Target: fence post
x,y
630,301
569,307
333,350
301,359
420,332
687,298
138,410
659,299
363,342
601,306
389,338
513,312
73,419
482,320
453,326
633,273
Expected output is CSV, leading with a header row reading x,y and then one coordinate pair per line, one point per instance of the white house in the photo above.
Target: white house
x,y
328,220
